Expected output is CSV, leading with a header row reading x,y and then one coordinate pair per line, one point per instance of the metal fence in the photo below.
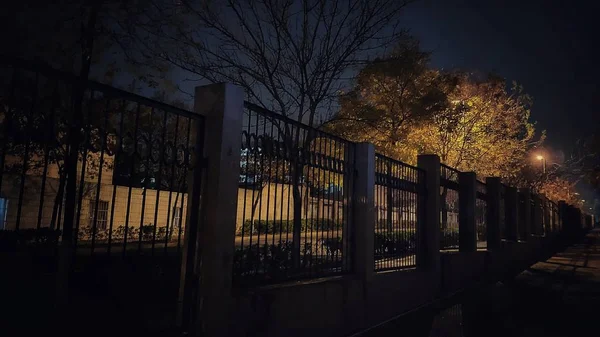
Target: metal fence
x,y
293,201
555,217
399,195
502,230
449,214
521,235
534,230
481,215
101,168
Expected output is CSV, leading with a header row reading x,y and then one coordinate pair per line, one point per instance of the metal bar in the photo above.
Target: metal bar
x,y
114,191
186,164
49,138
6,130
132,174
170,221
26,152
159,179
146,177
104,131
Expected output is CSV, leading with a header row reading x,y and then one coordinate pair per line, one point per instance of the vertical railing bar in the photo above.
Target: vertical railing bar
x,y
260,147
274,160
254,151
114,191
186,164
11,99
26,152
48,138
267,168
338,224
291,153
314,164
247,140
131,176
320,219
103,145
80,193
159,179
170,220
282,160
146,177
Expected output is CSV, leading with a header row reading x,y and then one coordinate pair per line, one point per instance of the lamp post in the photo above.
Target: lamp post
x,y
540,157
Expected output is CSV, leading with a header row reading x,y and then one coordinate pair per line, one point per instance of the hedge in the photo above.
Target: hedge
x,y
286,226
394,243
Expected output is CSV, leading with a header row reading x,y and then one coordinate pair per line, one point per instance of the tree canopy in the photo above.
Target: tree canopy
x,y
407,108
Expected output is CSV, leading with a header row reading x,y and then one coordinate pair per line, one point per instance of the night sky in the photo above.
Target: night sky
x,y
548,47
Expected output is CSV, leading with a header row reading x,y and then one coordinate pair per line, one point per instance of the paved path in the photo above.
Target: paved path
x,y
557,297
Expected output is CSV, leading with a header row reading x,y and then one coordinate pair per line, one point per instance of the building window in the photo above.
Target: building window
x,y
102,217
176,216
3,212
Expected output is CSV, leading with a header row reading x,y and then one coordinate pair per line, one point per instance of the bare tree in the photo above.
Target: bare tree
x,y
292,57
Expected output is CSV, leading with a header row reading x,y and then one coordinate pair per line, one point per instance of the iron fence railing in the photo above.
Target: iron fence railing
x,y
502,225
449,214
521,223
399,196
533,224
481,214
119,164
293,201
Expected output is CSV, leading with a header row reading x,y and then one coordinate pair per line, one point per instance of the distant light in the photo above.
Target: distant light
x,y
540,157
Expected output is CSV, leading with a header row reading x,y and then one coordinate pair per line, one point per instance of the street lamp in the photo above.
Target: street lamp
x,y
540,157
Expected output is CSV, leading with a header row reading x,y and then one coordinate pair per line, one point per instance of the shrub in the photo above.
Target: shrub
x,y
118,234
394,243
449,238
11,240
274,262
286,226
481,232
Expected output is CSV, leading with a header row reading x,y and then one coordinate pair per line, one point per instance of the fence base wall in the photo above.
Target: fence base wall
x,y
340,306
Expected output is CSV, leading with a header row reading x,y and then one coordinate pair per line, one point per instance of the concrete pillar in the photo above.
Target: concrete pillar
x,y
428,256
205,293
511,213
537,225
562,212
364,210
525,218
467,196
547,207
493,216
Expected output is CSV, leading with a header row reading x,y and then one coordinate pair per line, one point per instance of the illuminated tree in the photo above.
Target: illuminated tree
x,y
392,96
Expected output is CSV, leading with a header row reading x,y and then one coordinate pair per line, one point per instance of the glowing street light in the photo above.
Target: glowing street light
x,y
540,157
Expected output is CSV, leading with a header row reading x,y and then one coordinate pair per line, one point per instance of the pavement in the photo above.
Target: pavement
x,y
558,297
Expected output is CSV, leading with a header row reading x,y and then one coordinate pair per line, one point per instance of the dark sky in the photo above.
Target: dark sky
x,y
550,47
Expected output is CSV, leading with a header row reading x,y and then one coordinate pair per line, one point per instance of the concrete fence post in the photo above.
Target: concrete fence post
x,y
428,254
525,219
493,216
205,291
511,213
467,196
537,225
364,209
547,216
562,214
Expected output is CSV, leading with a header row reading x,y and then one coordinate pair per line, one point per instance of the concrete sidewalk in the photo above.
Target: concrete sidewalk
x,y
557,297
